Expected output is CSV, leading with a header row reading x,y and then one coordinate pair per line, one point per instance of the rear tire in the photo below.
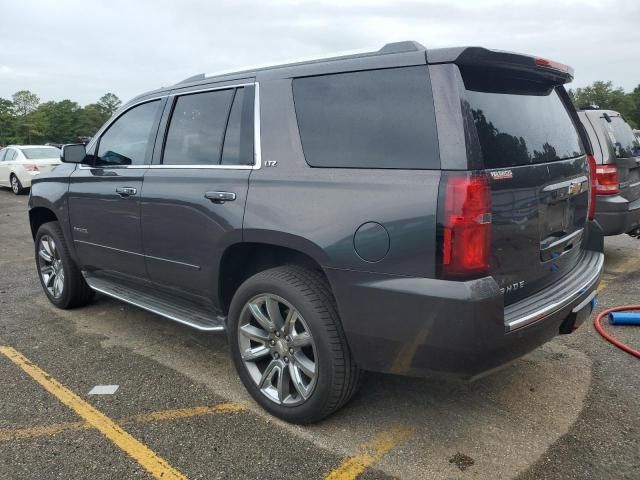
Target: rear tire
x,y
329,375
16,186
59,275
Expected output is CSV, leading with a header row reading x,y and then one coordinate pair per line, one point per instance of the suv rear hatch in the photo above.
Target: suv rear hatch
x,y
525,128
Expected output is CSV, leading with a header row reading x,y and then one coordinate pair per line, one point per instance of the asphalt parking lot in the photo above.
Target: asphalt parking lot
x,y
570,409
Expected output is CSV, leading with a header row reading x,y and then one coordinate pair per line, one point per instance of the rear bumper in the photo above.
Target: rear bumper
x,y
425,327
25,176
616,214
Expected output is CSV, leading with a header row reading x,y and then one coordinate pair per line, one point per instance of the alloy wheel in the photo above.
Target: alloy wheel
x,y
15,186
277,349
51,268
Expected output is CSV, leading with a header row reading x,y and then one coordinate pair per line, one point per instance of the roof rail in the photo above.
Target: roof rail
x,y
389,48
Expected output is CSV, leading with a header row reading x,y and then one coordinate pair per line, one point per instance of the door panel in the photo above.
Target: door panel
x,y
185,233
105,224
195,193
4,170
104,199
6,165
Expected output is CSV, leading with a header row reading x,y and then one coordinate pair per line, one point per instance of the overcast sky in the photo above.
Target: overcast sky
x,y
82,49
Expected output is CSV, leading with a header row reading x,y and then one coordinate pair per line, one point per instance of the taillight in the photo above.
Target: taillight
x,y
592,186
546,63
31,167
607,180
465,222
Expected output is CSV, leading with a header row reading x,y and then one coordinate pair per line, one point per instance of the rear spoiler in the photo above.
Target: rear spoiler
x,y
525,66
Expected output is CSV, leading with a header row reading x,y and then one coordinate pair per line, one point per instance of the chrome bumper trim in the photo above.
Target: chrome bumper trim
x,y
558,304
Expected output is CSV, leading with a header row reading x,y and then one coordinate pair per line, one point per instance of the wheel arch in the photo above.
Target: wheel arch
x,y
244,259
38,216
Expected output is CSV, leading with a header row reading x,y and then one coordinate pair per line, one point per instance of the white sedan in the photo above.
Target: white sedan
x,y
20,163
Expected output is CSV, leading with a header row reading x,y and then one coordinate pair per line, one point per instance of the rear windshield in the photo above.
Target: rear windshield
x,y
41,152
622,137
516,129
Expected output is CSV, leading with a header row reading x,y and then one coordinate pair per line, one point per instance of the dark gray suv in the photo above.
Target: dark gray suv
x,y
616,152
405,211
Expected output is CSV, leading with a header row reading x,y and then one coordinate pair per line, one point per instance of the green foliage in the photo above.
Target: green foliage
x,y
25,102
634,113
108,104
604,95
7,120
23,119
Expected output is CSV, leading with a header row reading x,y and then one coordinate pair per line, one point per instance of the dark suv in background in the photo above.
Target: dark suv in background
x,y
616,152
406,211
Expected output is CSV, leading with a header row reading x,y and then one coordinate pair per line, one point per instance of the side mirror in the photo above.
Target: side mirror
x,y
73,153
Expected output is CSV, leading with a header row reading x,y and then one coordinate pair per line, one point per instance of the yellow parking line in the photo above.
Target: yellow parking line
x,y
602,286
370,453
9,434
154,464
187,412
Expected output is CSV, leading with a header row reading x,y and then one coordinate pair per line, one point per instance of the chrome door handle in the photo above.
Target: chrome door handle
x,y
220,197
126,191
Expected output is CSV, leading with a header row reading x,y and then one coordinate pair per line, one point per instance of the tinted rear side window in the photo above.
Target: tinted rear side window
x,y
522,129
624,141
370,119
197,128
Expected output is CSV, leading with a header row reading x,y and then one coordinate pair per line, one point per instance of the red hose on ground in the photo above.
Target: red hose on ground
x,y
601,331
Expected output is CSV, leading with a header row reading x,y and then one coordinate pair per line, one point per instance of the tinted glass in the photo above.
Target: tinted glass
x,y
128,140
518,129
197,128
231,151
372,119
41,152
624,141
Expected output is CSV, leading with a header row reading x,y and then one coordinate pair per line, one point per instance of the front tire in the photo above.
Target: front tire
x,y
16,186
59,275
288,345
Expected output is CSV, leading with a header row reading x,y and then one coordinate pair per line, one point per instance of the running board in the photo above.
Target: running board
x,y
177,310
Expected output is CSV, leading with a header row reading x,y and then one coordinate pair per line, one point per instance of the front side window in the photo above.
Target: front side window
x,y
197,128
129,139
369,119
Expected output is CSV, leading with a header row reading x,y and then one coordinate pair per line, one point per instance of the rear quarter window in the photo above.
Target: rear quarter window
x,y
522,129
369,119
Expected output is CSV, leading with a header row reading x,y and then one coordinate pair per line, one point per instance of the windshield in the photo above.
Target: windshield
x,y
522,129
40,153
622,137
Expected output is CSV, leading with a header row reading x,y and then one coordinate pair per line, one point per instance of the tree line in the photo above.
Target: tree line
x,y
25,120
605,96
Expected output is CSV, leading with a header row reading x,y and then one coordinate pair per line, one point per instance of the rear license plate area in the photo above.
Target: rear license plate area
x,y
555,219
